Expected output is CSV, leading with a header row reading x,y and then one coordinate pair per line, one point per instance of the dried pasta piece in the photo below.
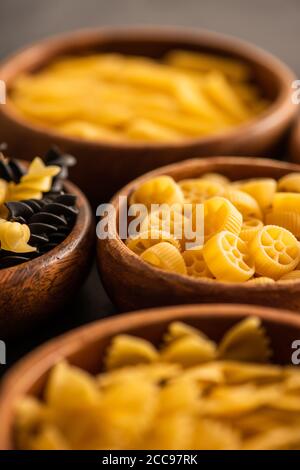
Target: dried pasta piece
x,y
144,240
291,275
290,183
177,330
207,373
261,189
220,214
281,438
3,191
288,220
34,183
180,394
198,190
48,438
286,202
250,228
69,386
170,432
128,350
15,237
261,281
215,435
170,220
246,341
195,263
227,258
244,203
216,178
189,351
153,372
275,251
235,372
165,256
159,190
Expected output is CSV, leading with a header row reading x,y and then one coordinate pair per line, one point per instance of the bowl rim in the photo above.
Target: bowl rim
x,y
280,108
82,225
42,359
117,244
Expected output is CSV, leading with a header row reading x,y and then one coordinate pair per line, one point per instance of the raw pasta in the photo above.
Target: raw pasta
x,y
117,98
187,392
241,231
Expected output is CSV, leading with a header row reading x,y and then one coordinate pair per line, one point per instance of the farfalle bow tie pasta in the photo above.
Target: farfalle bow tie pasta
x,y
251,228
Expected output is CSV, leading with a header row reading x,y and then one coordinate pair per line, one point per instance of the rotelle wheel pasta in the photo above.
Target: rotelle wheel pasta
x,y
226,257
186,391
239,231
275,251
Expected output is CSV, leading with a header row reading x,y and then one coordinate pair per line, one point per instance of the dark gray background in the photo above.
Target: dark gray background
x,y
271,24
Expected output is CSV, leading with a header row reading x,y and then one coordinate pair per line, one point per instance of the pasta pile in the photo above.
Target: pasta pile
x,y
251,228
115,97
189,393
35,213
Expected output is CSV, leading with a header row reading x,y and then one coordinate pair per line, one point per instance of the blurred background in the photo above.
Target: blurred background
x,y
272,24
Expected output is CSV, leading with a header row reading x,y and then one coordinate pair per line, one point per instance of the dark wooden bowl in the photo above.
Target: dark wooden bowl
x,y
31,291
133,284
294,146
105,167
85,346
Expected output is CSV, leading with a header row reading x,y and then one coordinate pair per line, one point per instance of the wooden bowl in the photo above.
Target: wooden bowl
x,y
294,144
133,284
31,291
104,167
84,347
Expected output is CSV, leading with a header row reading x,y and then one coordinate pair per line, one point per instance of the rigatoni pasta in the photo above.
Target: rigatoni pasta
x,y
117,98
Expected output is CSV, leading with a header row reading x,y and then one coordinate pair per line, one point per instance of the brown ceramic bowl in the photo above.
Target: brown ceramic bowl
x,y
31,291
133,284
84,347
294,147
105,167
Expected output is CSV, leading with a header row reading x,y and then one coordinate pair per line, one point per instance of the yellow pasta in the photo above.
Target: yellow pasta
x,y
226,257
3,191
198,190
275,251
291,275
286,202
244,203
250,228
290,183
115,97
162,189
262,280
216,178
144,240
15,237
190,394
36,181
220,214
261,189
288,220
195,263
165,256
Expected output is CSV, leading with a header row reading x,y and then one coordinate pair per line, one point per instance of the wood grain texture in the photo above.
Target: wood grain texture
x,y
33,290
104,167
133,284
85,346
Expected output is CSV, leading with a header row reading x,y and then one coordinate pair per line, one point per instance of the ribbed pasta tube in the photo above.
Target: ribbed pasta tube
x,y
160,190
244,203
275,251
288,220
249,229
286,202
290,183
220,214
165,256
261,189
